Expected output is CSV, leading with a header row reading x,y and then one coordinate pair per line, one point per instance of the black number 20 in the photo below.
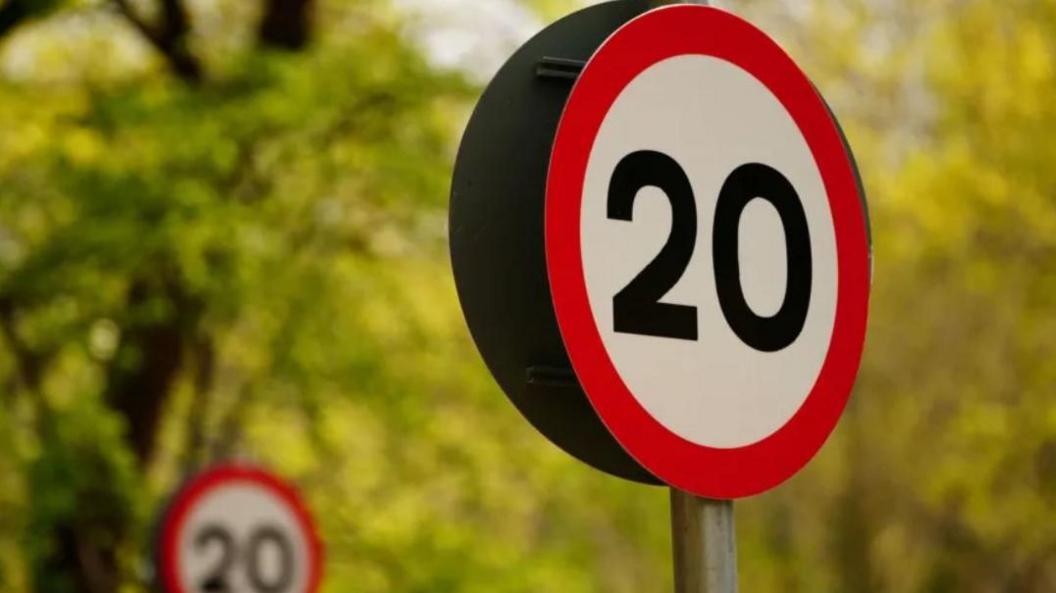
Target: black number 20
x,y
637,310
217,580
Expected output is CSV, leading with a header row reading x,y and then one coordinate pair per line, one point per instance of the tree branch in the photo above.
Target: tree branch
x,y
230,433
195,449
11,15
170,39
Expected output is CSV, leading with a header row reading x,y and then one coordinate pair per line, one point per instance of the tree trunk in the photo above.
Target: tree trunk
x,y
85,554
286,24
146,364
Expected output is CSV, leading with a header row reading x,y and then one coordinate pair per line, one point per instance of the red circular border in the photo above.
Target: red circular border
x,y
217,477
642,42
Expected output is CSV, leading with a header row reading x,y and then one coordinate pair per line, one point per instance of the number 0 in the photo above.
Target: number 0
x,y
746,183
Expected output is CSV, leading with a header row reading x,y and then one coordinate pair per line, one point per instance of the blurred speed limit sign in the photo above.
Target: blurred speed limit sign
x,y
237,529
707,251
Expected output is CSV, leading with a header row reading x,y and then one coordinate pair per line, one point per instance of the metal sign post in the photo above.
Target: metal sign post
x,y
703,544
703,540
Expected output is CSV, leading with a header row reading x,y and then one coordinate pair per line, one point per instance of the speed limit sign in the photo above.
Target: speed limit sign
x,y
661,247
707,251
238,529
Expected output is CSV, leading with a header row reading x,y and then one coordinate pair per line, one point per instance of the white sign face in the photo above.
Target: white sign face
x,y
707,251
249,519
236,529
715,390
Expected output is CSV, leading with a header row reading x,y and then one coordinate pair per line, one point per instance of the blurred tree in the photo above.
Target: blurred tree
x,y
124,267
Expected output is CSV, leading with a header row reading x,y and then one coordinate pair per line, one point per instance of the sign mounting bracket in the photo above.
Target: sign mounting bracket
x,y
559,68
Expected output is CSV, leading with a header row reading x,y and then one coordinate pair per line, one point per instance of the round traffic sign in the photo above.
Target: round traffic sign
x,y
707,251
238,528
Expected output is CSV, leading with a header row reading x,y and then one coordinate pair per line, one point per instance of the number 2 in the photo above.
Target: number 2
x,y
215,580
636,308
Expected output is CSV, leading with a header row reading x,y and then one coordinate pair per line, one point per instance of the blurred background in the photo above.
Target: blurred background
x,y
222,235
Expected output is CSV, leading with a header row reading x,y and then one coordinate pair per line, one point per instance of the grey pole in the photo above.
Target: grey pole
x,y
703,544
702,530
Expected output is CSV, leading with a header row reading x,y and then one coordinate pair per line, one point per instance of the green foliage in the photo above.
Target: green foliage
x,y
84,484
